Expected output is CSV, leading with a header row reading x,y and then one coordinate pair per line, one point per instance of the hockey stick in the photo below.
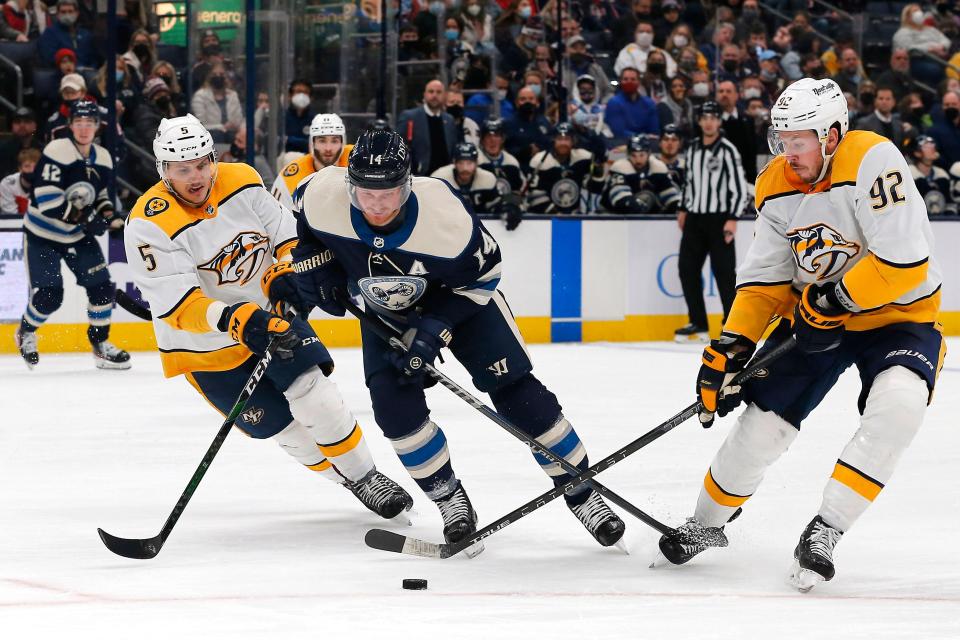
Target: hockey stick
x,y
389,335
390,541
131,306
146,548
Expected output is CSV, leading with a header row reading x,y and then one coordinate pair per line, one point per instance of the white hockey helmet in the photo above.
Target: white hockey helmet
x,y
181,139
327,124
809,105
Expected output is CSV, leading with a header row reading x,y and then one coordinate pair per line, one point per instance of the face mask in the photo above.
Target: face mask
x,y
917,112
118,74
167,80
474,10
238,153
141,51
644,39
767,76
749,13
629,86
218,82
529,44
211,50
300,100
680,40
586,98
537,89
730,66
701,89
525,12
917,17
657,68
451,34
751,93
501,94
866,99
163,102
951,113
67,20
456,111
578,58
688,65
761,115
437,8
527,109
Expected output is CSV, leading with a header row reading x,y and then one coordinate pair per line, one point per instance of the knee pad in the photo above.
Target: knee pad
x,y
892,416
101,294
46,300
762,435
528,404
398,409
316,402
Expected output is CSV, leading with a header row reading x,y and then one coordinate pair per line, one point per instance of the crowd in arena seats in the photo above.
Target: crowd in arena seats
x,y
629,77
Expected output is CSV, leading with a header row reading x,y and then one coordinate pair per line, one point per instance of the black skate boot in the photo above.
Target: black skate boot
x,y
459,519
109,356
381,495
27,344
604,525
688,540
813,557
691,333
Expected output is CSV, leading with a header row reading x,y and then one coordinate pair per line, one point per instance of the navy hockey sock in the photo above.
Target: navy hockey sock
x,y
424,454
99,310
43,302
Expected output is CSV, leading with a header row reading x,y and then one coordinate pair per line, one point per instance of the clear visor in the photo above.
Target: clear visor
x,y
793,145
190,170
379,201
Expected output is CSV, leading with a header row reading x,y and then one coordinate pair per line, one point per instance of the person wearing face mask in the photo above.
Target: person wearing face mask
x,y
586,110
771,75
297,117
467,128
629,112
667,22
140,57
528,131
63,33
477,26
218,107
516,54
700,87
947,131
581,63
73,89
913,113
635,54
147,115
730,65
211,52
915,35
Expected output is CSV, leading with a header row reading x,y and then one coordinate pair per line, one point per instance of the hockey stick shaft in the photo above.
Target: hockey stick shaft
x,y
388,334
131,306
390,541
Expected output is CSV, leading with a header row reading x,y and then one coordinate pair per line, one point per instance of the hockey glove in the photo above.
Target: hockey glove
x,y
722,360
279,284
318,275
818,322
424,340
511,211
254,328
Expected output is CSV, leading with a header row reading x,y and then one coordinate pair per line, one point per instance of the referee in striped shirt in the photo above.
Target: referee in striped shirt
x,y
714,196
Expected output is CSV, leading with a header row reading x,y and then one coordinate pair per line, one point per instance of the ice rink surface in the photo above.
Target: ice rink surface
x,y
266,549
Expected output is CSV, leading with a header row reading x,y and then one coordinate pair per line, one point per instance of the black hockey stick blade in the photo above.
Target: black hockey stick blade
x,y
132,548
396,543
131,306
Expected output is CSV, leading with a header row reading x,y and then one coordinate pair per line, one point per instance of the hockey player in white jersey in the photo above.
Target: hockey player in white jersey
x,y
209,249
328,148
843,250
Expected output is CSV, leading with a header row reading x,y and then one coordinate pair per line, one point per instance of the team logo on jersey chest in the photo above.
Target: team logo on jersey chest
x,y
820,250
393,293
155,206
565,193
240,260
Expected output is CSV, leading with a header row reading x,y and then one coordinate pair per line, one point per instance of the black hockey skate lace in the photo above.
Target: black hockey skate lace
x,y
593,512
457,507
822,540
377,490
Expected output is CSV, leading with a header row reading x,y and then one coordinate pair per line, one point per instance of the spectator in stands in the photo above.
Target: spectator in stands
x,y
22,20
516,54
832,57
238,153
884,120
533,79
771,75
217,106
738,128
467,128
680,46
72,88
544,63
65,34
168,73
932,182
701,88
913,113
624,29
128,90
812,67
15,188
140,57
730,65
676,108
66,61
897,77
297,116
758,111
669,20
629,112
722,36
23,135
862,102
918,37
586,110
851,73
528,131
582,63
430,132
635,54
477,26
790,59
946,131
513,17
157,104
655,78
753,88
211,52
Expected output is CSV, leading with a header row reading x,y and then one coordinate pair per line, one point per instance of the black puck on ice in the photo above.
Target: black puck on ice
x,y
415,584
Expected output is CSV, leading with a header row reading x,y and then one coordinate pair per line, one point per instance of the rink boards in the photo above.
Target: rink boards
x,y
566,280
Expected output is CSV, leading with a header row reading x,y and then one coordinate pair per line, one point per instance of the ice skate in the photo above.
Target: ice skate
x,y
813,557
687,541
109,356
459,520
600,521
27,344
691,334
383,496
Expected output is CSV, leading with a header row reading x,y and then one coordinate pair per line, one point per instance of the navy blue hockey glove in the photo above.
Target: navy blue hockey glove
x,y
424,340
818,321
722,360
511,210
253,327
279,284
318,275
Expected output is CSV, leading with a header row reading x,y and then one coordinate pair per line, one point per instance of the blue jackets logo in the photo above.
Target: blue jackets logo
x,y
240,260
392,293
820,250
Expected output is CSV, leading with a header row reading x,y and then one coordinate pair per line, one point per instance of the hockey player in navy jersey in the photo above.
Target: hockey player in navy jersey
x,y
427,266
475,185
564,179
640,183
69,206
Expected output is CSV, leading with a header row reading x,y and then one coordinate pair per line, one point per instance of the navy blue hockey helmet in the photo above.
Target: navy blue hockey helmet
x,y
465,151
84,109
564,129
671,131
379,160
639,142
492,125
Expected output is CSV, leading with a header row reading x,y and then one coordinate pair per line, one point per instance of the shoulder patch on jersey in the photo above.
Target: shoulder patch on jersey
x,y
154,206
291,170
850,153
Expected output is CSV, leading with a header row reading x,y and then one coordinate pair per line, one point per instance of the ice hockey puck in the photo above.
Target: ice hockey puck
x,y
415,584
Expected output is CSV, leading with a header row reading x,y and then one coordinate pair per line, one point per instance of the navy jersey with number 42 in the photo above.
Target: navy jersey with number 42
x,y
440,260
